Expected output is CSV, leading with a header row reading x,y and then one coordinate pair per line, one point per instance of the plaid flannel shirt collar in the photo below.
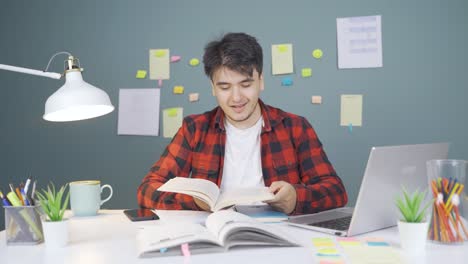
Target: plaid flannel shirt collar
x,y
271,117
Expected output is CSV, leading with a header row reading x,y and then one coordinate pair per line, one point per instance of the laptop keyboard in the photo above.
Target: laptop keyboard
x,y
337,224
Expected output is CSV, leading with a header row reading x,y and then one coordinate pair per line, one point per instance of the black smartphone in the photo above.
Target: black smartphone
x,y
140,214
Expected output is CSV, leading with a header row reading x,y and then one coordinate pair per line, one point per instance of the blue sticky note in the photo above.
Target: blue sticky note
x,y
163,250
378,244
350,127
286,81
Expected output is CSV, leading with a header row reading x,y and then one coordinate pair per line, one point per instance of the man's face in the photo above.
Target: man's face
x,y
237,95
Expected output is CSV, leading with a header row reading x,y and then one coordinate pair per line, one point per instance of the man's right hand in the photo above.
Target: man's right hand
x,y
202,205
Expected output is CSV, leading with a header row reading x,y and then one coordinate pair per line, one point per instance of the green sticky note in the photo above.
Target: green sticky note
x,y
317,53
306,72
141,74
282,48
172,112
160,53
194,62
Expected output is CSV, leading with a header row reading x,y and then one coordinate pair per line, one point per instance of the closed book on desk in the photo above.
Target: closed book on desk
x,y
209,192
263,213
224,230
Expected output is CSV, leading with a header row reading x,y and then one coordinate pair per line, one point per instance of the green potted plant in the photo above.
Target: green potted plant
x,y
54,203
413,224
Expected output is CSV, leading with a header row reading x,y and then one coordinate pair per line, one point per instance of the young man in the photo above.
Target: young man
x,y
244,142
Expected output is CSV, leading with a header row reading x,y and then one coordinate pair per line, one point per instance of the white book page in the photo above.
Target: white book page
x,y
218,221
203,189
151,238
243,196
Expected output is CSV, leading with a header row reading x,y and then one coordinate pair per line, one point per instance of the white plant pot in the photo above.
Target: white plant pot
x,y
55,233
413,236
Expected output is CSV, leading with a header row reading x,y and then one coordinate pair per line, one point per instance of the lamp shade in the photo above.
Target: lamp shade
x,y
76,100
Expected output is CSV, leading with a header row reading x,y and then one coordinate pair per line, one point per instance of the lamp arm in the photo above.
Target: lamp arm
x,y
44,73
52,75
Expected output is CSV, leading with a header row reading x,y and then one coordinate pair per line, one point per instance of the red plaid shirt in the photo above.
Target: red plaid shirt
x,y
290,151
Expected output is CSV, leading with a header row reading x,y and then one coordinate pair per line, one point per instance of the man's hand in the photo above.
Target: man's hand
x,y
202,205
285,197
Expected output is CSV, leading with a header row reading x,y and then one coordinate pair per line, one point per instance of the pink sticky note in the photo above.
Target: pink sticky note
x,y
159,83
185,250
175,58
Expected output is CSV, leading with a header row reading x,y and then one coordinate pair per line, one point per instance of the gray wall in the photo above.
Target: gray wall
x,y
419,96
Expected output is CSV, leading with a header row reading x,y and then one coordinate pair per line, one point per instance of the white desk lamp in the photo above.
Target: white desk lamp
x,y
76,99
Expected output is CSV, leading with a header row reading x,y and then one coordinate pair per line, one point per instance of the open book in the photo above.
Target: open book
x,y
224,230
209,192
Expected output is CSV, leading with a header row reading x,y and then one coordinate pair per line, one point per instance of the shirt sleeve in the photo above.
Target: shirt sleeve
x,y
174,162
321,188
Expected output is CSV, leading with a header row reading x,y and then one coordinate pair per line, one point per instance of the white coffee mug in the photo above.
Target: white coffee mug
x,y
85,197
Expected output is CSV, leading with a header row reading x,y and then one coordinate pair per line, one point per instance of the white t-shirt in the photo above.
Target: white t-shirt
x,y
242,160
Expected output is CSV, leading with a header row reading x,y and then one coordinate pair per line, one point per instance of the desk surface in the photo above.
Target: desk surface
x,y
111,238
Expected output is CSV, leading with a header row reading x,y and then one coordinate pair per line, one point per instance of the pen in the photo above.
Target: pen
x,y
33,192
4,200
26,186
18,194
25,199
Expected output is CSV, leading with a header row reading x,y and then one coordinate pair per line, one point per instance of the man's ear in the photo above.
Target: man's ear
x,y
212,88
262,84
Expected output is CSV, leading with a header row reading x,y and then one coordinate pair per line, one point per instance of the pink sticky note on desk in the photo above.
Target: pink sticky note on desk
x,y
185,250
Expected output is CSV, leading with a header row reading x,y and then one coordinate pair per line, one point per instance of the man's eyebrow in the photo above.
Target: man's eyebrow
x,y
248,79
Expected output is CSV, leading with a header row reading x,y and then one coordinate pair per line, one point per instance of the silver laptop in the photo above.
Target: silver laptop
x,y
388,169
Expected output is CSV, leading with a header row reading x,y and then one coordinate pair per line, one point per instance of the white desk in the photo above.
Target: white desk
x,y
111,238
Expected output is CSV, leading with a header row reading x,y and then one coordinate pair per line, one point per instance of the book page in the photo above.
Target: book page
x,y
243,196
235,229
150,239
219,220
202,189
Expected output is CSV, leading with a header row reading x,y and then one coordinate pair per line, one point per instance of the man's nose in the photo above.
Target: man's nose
x,y
236,94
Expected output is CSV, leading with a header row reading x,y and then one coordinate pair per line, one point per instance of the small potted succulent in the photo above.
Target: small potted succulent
x,y
54,203
413,225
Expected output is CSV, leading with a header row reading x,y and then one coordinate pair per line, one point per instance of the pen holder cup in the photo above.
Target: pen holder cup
x,y
23,225
448,224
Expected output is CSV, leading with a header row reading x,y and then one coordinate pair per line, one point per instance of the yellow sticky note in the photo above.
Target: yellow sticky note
x,y
172,121
327,251
172,112
306,72
282,59
178,89
317,53
282,48
351,110
322,239
193,97
349,243
141,74
194,62
323,244
160,53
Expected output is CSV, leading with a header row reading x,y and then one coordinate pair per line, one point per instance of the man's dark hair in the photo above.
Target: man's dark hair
x,y
237,51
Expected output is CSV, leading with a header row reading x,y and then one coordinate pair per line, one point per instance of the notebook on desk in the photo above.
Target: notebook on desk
x,y
388,169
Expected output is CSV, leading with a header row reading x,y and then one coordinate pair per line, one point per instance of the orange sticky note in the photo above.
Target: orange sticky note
x,y
193,97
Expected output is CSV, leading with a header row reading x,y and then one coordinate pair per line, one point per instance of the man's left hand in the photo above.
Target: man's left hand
x,y
285,197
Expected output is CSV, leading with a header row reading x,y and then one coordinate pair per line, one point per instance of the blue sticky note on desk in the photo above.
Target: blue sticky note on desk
x,y
378,244
286,81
